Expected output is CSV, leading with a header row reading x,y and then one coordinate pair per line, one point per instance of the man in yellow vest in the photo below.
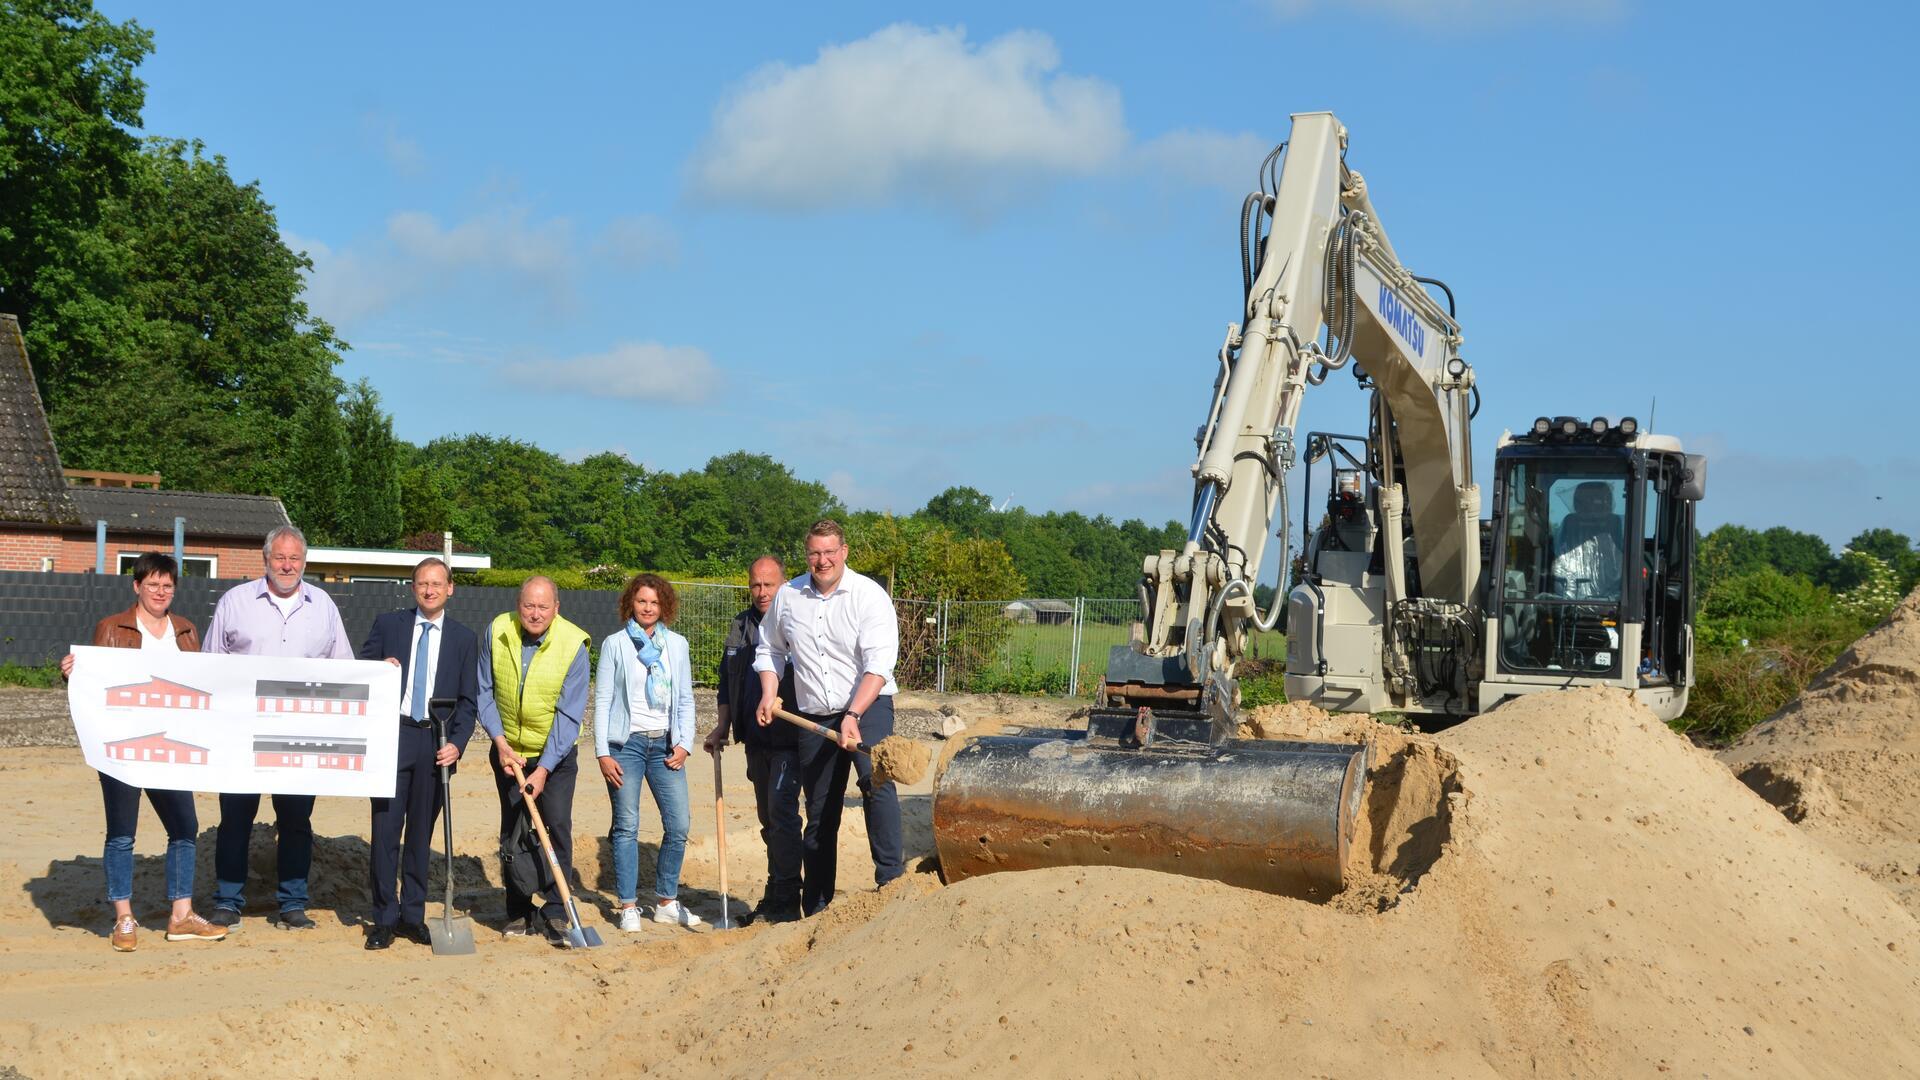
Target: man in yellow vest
x,y
533,694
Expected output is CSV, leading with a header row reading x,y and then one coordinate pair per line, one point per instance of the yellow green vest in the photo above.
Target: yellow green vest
x,y
526,713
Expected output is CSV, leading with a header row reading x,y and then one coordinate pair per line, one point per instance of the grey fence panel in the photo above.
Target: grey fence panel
x,y
1026,646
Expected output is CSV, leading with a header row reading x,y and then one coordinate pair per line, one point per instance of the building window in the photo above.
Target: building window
x,y
205,566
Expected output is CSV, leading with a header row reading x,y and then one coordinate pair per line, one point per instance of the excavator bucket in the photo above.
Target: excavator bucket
x,y
1148,789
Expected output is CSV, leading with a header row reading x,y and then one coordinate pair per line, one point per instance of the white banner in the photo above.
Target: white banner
x,y
206,722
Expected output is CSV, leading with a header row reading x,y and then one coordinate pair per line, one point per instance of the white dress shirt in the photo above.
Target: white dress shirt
x,y
420,622
832,640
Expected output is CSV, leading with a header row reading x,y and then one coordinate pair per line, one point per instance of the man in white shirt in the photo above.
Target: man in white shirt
x,y
837,628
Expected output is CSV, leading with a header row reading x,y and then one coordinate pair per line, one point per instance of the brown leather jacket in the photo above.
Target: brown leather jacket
x,y
122,631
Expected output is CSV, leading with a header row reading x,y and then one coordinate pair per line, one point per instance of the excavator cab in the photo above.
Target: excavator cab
x,y
1591,571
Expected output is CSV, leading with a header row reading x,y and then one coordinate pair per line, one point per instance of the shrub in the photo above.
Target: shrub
x,y
43,676
1736,687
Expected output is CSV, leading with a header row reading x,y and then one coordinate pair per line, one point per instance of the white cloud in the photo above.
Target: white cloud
x,y
403,152
635,370
908,110
1208,158
493,240
640,240
1460,14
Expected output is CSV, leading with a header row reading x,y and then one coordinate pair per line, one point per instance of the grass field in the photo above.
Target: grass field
x,y
1029,658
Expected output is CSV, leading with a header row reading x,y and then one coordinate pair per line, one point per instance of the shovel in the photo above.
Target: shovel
x,y
451,935
579,936
720,840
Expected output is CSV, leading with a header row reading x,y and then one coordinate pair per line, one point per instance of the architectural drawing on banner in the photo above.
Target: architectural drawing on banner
x,y
338,699
157,693
158,749
319,752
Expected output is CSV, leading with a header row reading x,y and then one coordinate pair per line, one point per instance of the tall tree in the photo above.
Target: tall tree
x,y
370,515
68,99
314,484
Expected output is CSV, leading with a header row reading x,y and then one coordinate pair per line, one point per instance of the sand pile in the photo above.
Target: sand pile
x,y
1597,898
1843,758
1609,901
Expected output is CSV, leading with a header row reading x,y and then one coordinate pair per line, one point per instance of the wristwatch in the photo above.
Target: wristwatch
x,y
851,715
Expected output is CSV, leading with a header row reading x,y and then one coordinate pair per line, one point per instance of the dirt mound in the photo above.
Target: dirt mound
x,y
1843,758
1610,902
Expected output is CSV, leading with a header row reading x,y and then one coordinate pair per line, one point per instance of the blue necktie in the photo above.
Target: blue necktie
x,y
420,672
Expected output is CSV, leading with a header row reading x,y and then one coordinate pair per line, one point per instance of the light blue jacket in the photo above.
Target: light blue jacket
x,y
612,718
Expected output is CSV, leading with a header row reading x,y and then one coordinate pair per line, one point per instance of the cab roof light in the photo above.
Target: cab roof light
x,y
1629,426
1599,425
1542,427
1569,426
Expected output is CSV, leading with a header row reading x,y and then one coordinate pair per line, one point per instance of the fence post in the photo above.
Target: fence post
x,y
940,651
1080,625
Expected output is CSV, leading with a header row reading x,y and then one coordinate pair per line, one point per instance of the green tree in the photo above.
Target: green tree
x,y
314,485
1892,548
68,99
967,511
370,512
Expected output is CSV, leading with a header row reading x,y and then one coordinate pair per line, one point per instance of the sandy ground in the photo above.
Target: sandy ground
x,y
1561,887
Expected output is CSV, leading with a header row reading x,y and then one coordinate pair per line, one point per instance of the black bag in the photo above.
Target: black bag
x,y
522,864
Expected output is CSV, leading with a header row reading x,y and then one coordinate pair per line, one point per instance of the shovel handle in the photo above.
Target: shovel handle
x,y
546,845
821,730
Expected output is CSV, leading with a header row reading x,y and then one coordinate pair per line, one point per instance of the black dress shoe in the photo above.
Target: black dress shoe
x,y
224,916
379,937
416,933
296,919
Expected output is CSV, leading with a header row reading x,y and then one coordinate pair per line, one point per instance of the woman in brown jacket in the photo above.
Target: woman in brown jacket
x,y
150,624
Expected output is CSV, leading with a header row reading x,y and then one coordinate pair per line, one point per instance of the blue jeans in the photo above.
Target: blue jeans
x,y
643,758
175,809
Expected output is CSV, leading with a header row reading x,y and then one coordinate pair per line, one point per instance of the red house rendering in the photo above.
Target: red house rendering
x,y
158,693
157,748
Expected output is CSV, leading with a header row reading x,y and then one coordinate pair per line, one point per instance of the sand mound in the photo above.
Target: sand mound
x,y
1611,903
1603,900
1843,758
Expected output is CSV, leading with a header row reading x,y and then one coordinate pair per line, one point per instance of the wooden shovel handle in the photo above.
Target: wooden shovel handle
x,y
546,845
821,730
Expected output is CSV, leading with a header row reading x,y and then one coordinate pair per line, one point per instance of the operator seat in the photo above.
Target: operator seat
x,y
1592,516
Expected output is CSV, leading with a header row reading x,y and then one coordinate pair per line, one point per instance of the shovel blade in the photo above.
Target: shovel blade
x,y
451,936
582,937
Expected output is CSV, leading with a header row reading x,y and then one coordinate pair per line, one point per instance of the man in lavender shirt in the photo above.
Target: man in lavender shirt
x,y
277,614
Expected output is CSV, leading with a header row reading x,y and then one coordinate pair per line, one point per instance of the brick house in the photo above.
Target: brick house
x,y
47,524
157,693
157,747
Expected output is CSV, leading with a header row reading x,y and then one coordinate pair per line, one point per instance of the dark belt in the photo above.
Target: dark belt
x,y
408,721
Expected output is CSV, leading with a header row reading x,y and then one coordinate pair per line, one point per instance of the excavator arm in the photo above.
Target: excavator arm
x,y
1157,779
1325,290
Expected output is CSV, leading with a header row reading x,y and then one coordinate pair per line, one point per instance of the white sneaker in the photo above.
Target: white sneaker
x,y
630,920
673,911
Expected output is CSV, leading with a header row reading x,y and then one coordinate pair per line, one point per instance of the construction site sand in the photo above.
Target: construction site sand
x,y
1597,898
1843,759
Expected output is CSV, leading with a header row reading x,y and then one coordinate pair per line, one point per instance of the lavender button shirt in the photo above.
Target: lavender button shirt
x,y
247,622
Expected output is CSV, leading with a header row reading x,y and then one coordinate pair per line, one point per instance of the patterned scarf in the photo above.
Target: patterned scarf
x,y
648,647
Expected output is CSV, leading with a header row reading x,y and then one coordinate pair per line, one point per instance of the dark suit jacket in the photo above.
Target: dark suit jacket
x,y
456,676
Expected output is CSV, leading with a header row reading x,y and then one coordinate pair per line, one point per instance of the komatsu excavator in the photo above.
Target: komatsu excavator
x,y
1404,599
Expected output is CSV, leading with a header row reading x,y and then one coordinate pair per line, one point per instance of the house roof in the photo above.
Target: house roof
x,y
147,510
32,488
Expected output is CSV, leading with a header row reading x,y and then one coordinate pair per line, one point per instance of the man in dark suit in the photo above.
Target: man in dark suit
x,y
437,658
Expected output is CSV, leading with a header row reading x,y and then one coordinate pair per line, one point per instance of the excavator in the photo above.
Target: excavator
x,y
1403,599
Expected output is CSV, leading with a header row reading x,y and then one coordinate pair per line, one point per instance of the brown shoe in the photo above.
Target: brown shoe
x,y
125,934
194,928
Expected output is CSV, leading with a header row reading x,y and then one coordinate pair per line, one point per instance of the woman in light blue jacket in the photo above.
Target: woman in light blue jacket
x,y
643,730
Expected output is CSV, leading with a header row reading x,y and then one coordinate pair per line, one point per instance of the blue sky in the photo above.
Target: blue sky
x,y
906,246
